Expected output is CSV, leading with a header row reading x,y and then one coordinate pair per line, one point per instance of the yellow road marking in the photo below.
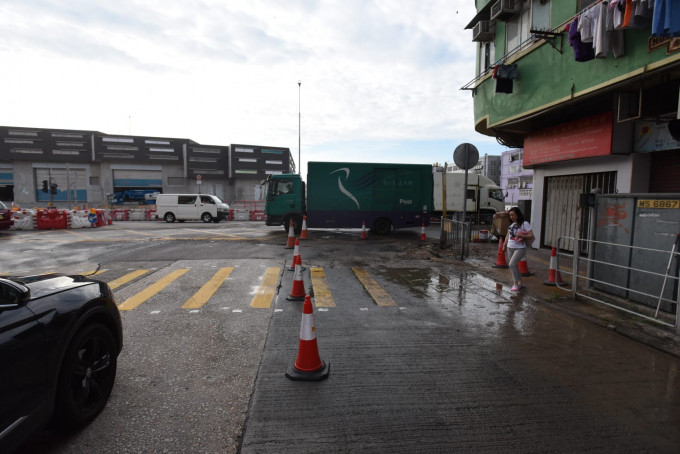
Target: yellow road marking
x,y
77,234
374,289
134,232
322,294
267,289
208,290
126,278
151,290
93,272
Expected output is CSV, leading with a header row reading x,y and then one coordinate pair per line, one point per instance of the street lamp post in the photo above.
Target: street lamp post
x,y
299,125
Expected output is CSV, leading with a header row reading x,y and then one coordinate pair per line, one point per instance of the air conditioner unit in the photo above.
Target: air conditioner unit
x,y
503,10
483,31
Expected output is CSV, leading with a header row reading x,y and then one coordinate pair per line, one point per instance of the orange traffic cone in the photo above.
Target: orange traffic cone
x,y
422,233
297,293
524,268
291,236
303,234
554,276
308,364
296,257
296,253
500,257
363,230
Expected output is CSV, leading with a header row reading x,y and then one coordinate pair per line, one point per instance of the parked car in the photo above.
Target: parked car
x,y
5,217
60,337
191,207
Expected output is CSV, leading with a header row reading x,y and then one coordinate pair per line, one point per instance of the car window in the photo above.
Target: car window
x,y
186,199
207,199
3,206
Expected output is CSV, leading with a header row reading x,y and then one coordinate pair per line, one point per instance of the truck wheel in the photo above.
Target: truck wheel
x,y
382,226
206,217
169,217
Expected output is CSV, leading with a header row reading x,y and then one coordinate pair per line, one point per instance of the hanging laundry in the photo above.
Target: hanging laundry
x,y
618,8
601,37
639,15
582,51
616,39
504,75
666,18
587,23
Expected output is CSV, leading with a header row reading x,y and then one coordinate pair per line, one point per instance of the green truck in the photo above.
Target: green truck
x,y
348,194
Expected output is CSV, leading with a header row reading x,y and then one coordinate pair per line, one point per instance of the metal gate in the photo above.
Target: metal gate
x,y
562,216
561,213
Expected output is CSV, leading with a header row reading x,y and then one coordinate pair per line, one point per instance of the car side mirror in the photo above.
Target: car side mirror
x,y
13,294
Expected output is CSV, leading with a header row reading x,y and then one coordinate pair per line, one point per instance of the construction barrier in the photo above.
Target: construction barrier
x,y
150,213
137,215
51,219
241,215
78,219
23,219
257,215
120,214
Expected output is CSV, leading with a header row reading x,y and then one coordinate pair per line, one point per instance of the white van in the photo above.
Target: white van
x,y
190,207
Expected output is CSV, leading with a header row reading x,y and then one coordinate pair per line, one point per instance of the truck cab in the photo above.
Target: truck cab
x,y
285,200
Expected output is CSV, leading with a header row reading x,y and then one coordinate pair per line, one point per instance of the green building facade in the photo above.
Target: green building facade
x,y
603,119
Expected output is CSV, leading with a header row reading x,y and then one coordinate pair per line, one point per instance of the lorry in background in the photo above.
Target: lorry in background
x,y
484,197
142,196
348,194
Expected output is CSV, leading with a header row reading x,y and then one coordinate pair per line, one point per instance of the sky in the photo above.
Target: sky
x,y
380,79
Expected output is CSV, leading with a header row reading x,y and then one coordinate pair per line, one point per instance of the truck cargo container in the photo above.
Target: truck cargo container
x,y
348,194
484,197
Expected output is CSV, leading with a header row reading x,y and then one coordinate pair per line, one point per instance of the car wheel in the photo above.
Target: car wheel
x,y
382,226
206,217
86,378
169,217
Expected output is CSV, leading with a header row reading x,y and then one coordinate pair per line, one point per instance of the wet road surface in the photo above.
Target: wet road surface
x,y
457,363
461,365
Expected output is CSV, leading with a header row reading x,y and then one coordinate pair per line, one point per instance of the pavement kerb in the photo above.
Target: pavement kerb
x,y
483,256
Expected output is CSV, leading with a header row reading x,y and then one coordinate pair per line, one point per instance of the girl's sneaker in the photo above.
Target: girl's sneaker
x,y
515,288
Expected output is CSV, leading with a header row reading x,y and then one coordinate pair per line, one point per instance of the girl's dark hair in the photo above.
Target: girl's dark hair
x,y
520,216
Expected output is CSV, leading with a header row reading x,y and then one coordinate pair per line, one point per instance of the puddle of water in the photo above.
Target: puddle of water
x,y
479,300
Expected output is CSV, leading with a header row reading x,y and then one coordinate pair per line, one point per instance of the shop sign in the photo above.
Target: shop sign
x,y
584,138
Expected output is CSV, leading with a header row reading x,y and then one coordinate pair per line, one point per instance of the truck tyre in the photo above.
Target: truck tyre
x,y
486,217
382,226
206,217
169,218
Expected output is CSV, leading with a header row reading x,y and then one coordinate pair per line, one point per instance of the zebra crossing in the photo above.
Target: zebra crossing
x,y
244,285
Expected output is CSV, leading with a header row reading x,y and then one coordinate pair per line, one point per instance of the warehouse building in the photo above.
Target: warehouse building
x,y
70,167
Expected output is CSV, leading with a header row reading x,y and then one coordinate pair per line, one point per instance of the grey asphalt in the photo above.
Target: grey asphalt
x,y
462,365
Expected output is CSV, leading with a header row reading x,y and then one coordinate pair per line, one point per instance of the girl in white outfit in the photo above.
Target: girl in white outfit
x,y
519,234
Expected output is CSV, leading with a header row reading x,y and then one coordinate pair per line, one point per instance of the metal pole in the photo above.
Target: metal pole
x,y
68,185
444,192
299,127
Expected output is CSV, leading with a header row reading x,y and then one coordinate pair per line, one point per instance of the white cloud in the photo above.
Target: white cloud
x,y
378,74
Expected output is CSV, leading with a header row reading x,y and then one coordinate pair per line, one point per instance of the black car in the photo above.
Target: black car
x,y
60,337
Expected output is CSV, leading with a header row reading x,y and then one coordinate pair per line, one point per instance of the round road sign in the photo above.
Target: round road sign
x,y
466,156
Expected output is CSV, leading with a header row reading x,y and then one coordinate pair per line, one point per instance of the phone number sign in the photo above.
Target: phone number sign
x,y
652,203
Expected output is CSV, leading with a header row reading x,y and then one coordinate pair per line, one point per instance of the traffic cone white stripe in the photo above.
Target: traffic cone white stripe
x,y
308,364
307,328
